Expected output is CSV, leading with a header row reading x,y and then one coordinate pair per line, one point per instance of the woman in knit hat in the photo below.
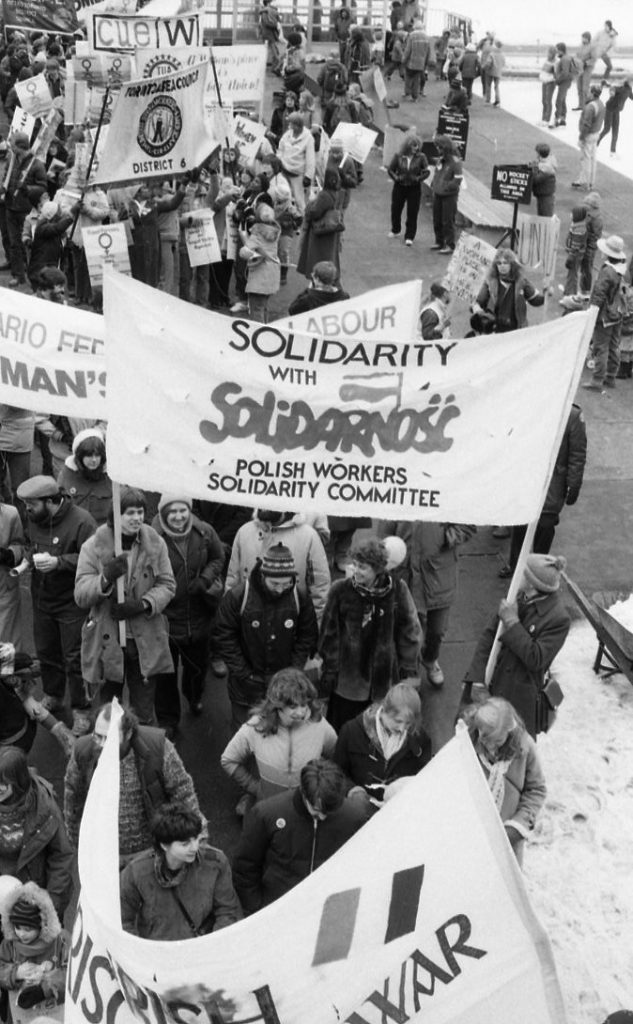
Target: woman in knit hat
x,y
34,950
84,475
196,555
370,634
265,623
535,627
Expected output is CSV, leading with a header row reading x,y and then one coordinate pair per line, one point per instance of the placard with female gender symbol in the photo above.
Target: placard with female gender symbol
x,y
105,244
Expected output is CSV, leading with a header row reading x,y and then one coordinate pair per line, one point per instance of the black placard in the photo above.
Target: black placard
x,y
454,124
512,183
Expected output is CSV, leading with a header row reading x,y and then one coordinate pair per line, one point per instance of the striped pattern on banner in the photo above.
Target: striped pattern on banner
x,y
340,910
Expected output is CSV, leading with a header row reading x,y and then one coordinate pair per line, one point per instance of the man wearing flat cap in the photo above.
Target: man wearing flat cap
x,y
56,530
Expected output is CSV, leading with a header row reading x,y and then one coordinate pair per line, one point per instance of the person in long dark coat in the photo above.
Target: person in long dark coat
x,y
316,248
535,629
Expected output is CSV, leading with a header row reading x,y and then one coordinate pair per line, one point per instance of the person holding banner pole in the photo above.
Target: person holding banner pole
x,y
23,187
534,624
144,571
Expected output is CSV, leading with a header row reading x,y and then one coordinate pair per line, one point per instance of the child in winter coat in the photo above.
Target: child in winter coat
x,y
260,252
544,180
34,950
289,220
575,245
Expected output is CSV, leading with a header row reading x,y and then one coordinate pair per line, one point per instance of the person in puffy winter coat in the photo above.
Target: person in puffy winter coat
x,y
268,528
283,733
263,264
289,836
265,623
84,475
34,950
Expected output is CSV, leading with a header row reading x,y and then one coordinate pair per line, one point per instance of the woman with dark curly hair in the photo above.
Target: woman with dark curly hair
x,y
508,758
370,634
283,733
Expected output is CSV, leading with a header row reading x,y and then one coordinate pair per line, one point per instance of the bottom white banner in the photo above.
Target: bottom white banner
x,y
421,917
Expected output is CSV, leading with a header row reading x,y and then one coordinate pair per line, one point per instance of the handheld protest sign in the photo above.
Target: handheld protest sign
x,y
455,124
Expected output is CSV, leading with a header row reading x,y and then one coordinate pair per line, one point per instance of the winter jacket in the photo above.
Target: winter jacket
x,y
528,648
563,69
359,754
11,538
591,119
544,177
469,64
46,856
151,909
409,170
63,536
16,429
524,788
47,245
416,51
495,62
368,644
447,177
570,464
524,292
94,210
161,773
189,614
95,496
26,184
150,578
257,634
605,294
282,844
279,756
297,153
430,568
52,945
313,298
264,269
252,541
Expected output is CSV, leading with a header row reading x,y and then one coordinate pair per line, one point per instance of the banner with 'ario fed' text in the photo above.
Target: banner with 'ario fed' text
x,y
234,411
437,928
51,357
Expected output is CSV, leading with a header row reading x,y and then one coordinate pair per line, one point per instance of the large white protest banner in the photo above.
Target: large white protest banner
x,y
419,918
383,314
127,32
158,128
51,357
241,72
447,431
538,242
468,266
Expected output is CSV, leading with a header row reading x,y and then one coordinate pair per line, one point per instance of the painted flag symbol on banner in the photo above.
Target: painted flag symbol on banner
x,y
340,910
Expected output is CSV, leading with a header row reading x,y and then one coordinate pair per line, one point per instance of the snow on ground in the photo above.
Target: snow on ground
x,y
579,865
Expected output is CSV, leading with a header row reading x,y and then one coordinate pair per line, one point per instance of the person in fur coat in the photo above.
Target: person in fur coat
x,y
370,635
34,950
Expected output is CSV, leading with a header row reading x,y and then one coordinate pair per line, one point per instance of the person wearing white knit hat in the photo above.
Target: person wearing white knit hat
x,y
84,475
